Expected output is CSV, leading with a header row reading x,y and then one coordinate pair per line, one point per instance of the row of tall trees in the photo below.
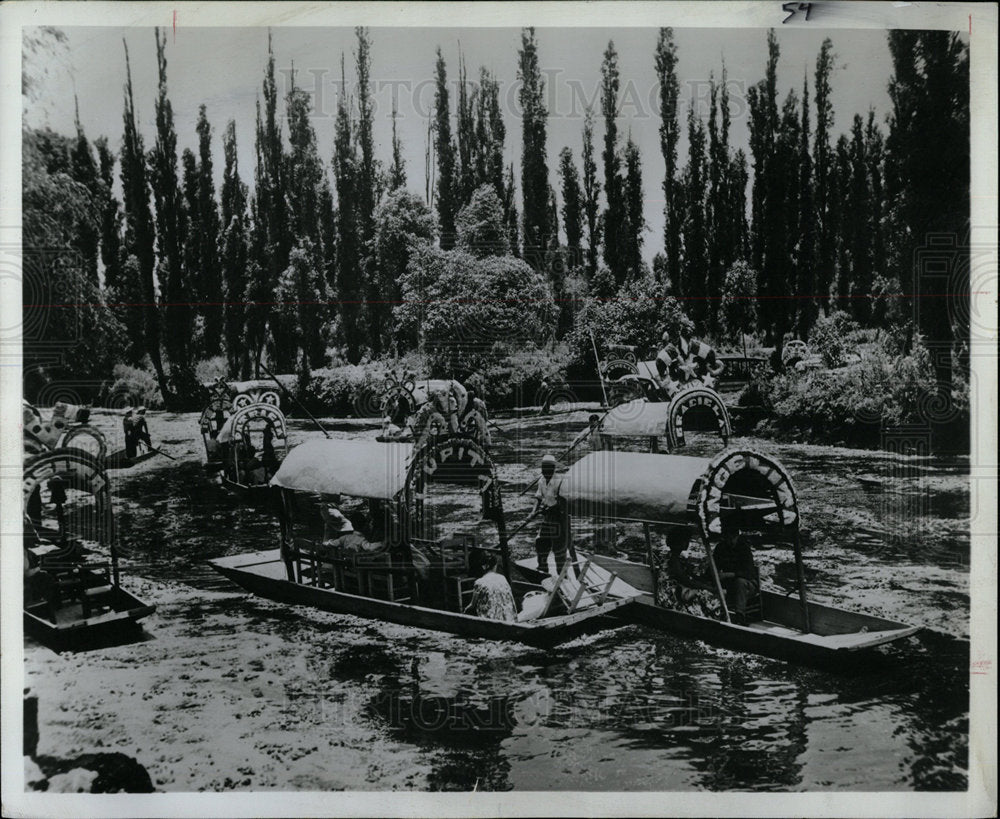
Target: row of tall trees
x,y
317,252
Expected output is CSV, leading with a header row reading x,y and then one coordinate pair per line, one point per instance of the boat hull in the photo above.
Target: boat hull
x,y
836,635
263,574
73,632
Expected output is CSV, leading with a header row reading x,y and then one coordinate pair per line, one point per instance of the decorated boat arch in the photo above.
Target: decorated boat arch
x,y
694,408
252,444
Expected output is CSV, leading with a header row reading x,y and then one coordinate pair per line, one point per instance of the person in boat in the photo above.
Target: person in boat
x,y
679,587
269,457
492,596
476,405
131,438
141,428
394,424
667,383
432,417
737,571
355,538
549,504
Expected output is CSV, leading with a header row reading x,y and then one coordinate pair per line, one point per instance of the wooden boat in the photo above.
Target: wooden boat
x,y
119,459
251,446
73,599
422,581
694,406
697,495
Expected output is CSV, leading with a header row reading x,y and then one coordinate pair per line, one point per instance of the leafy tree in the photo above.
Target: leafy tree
x,y
466,132
534,162
300,288
738,309
468,312
403,220
480,225
64,309
510,211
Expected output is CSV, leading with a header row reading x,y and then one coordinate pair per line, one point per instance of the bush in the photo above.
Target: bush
x,y
516,380
350,390
829,337
853,404
134,386
208,369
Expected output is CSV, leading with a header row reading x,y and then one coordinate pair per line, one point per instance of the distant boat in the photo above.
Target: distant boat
x,y
73,598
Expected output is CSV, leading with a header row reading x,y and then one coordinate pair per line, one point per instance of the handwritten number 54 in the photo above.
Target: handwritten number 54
x,y
795,8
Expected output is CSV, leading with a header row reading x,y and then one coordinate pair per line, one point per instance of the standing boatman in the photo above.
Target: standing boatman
x,y
550,504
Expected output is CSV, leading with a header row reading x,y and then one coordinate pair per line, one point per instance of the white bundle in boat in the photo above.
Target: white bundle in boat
x,y
492,598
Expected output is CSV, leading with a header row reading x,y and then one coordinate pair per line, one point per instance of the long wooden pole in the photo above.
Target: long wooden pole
x,y
597,361
718,583
281,387
801,575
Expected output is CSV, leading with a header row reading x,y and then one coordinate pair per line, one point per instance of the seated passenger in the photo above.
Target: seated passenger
x,y
355,538
738,573
492,596
679,587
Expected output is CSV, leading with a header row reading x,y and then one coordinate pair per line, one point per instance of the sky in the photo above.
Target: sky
x,y
224,68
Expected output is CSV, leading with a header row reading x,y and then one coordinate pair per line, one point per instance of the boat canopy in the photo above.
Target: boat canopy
x,y
237,422
637,418
681,490
635,486
359,469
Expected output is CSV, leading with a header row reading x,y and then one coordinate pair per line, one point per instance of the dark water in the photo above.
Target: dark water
x,y
629,709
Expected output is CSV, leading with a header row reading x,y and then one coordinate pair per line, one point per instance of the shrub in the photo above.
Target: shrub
x,y
208,369
134,386
342,391
830,337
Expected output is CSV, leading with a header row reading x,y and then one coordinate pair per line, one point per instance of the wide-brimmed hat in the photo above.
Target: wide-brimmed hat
x,y
548,460
337,519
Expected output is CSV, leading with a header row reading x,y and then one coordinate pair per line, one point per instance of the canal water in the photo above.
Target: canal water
x,y
232,692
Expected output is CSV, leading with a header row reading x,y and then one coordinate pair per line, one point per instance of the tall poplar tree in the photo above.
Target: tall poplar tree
x,y
591,194
446,186
692,285
615,216
140,238
805,255
534,161
234,256
632,195
822,173
167,199
670,128
209,274
572,207
350,286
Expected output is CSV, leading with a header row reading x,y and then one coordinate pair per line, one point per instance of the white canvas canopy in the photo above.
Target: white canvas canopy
x,y
634,486
359,469
637,419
